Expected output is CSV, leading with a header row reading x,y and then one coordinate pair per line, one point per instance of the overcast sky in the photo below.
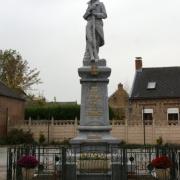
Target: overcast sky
x,y
50,35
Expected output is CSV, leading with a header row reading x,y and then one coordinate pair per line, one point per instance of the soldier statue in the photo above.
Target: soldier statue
x,y
94,29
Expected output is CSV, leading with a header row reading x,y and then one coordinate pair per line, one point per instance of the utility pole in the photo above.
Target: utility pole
x,y
48,125
7,118
144,126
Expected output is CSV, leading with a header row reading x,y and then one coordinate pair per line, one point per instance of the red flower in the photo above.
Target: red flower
x,y
27,161
161,162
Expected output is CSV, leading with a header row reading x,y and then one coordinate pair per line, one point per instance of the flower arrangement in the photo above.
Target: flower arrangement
x,y
93,156
93,162
162,162
27,161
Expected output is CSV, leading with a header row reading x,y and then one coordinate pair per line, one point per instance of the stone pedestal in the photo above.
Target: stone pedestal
x,y
94,119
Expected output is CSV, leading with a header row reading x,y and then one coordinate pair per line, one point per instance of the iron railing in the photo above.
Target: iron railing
x,y
94,161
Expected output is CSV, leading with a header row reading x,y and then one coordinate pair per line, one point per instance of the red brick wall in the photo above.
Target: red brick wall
x,y
159,107
15,112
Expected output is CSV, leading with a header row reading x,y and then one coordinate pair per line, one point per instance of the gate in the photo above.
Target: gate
x,y
50,162
133,162
93,162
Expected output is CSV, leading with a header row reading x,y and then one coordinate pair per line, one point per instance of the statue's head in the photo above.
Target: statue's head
x,y
92,1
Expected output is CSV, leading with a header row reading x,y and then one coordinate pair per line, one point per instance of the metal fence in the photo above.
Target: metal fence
x,y
92,162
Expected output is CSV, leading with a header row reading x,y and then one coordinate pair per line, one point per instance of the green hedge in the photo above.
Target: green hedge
x,y
69,112
61,112
17,136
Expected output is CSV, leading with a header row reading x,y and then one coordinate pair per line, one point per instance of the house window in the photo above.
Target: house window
x,y
151,85
147,116
173,115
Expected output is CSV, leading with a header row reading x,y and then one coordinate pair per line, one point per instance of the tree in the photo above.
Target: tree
x,y
15,72
18,136
42,138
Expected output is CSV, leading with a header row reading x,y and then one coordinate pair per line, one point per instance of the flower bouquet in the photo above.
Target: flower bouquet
x,y
162,167
93,162
28,163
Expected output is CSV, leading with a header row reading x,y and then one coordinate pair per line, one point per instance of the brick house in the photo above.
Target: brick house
x,y
155,96
118,102
11,108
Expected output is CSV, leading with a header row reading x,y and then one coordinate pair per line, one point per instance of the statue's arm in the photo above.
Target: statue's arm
x,y
87,13
102,14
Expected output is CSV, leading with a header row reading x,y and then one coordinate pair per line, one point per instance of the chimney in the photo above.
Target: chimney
x,y
120,86
138,63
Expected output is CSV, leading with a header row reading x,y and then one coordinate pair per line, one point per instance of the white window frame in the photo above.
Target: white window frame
x,y
149,111
172,111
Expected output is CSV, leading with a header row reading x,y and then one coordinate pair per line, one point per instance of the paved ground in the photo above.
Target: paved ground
x,y
3,158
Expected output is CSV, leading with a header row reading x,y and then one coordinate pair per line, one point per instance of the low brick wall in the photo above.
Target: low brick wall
x,y
134,134
60,130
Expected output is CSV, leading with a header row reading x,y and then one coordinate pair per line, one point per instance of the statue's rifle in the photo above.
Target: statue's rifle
x,y
94,35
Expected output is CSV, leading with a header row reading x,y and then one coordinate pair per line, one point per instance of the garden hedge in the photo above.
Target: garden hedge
x,y
59,112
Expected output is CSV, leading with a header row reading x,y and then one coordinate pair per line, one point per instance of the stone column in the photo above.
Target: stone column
x,y
94,118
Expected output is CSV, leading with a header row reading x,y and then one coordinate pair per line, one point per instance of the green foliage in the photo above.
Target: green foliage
x,y
32,100
66,142
16,136
55,143
123,142
58,112
159,141
42,138
15,72
111,114
3,141
119,114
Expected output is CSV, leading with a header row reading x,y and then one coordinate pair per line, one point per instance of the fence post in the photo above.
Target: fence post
x,y
9,164
63,163
75,126
29,121
124,168
52,121
126,130
18,169
173,169
51,133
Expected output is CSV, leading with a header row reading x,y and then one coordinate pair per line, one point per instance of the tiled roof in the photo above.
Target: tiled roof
x,y
7,92
166,79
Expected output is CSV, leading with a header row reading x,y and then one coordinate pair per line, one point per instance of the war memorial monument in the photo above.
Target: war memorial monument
x,y
94,118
